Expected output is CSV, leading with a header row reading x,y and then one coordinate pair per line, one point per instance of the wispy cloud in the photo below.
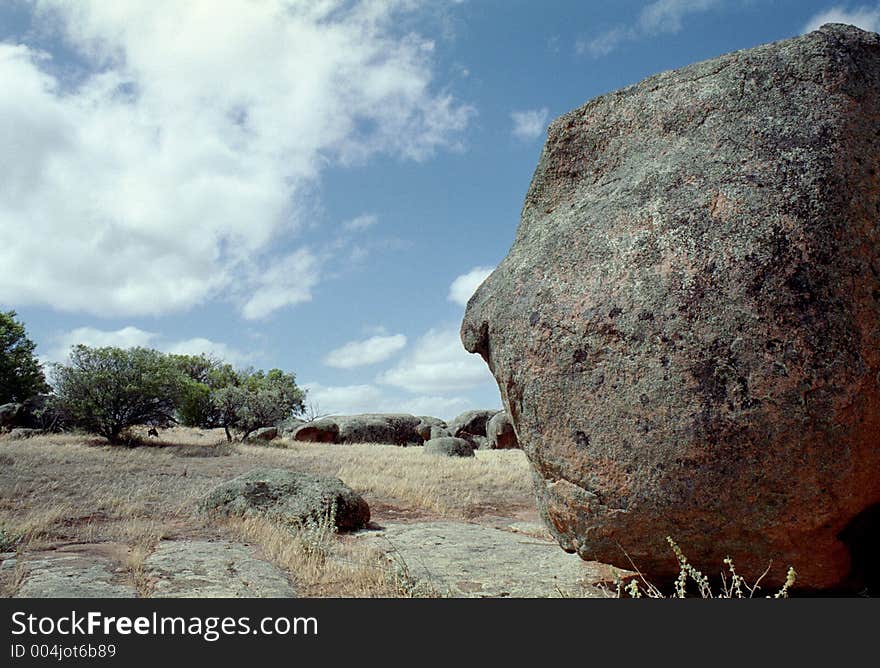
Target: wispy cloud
x,y
530,124
866,17
657,18
361,353
360,223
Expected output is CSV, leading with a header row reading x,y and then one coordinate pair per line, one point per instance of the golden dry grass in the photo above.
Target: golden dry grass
x,y
64,489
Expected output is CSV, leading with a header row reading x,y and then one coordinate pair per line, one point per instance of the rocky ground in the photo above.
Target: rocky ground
x,y
460,528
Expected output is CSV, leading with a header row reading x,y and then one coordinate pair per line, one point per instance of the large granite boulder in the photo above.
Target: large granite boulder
x,y
500,432
290,496
686,331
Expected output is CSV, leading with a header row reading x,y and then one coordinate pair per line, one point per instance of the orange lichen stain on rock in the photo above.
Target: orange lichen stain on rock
x,y
723,207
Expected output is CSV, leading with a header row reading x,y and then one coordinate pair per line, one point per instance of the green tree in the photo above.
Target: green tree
x,y
216,395
262,399
21,375
197,406
107,390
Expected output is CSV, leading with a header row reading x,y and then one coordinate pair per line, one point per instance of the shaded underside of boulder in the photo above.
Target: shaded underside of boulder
x,y
290,496
686,331
449,446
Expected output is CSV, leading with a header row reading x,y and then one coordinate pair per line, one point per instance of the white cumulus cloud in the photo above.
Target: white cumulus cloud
x,y
185,139
866,17
361,353
464,286
529,125
344,399
437,365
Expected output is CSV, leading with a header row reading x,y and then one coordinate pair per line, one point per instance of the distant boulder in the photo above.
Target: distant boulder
x,y
289,425
473,422
426,424
477,442
9,415
323,430
290,496
264,434
449,447
392,428
500,432
438,432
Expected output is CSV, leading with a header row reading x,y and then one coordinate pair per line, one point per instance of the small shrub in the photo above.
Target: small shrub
x,y
736,587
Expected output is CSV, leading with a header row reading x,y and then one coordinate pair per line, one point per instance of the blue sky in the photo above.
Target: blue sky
x,y
315,186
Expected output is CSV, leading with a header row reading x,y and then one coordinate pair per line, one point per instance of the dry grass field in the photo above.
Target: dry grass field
x,y
73,489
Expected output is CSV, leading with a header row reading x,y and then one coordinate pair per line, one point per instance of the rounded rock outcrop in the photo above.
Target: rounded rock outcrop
x,y
290,496
686,331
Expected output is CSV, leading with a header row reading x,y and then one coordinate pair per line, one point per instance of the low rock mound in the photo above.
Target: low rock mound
x,y
469,560
290,496
212,569
449,446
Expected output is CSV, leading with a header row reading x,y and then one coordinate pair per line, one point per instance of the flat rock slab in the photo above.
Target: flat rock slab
x,y
465,560
213,569
75,575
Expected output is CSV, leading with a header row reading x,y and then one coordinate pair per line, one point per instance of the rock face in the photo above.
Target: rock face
x,y
472,422
290,496
449,446
686,331
500,432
